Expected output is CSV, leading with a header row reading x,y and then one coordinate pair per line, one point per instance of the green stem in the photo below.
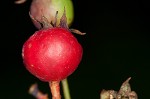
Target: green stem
x,y
65,88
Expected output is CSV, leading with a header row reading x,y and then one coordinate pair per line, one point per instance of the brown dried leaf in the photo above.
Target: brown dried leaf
x,y
125,88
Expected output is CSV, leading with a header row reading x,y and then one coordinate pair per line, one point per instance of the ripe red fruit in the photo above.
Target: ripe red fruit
x,y
52,54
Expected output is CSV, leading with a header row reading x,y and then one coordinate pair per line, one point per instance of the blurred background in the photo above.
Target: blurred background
x,y
116,46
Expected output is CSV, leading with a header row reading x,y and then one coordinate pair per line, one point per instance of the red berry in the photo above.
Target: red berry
x,y
52,54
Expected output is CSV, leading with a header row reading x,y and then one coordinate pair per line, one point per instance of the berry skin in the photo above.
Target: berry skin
x,y
52,54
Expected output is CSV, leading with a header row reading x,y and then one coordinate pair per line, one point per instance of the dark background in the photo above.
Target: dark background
x,y
116,47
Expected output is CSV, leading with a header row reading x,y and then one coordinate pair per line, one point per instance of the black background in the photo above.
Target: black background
x,y
116,47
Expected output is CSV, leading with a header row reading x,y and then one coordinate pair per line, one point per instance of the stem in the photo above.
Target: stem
x,y
55,89
66,89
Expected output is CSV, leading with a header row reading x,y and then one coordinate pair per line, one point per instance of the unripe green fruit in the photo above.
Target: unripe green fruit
x,y
48,9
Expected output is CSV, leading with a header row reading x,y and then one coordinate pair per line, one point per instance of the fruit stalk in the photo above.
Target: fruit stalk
x,y
66,90
55,89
